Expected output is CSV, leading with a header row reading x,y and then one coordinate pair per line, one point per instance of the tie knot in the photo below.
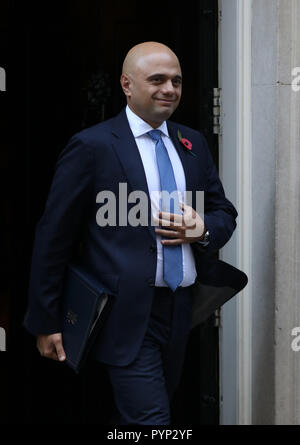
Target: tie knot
x,y
155,135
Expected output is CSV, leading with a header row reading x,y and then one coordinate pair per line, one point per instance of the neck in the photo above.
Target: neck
x,y
151,123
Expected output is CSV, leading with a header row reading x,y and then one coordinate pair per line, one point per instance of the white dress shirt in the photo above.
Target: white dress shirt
x,y
146,147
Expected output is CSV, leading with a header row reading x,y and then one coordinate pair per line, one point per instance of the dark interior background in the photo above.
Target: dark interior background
x,y
63,62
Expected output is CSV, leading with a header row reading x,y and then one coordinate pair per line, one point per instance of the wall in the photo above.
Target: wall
x,y
264,115
260,169
287,217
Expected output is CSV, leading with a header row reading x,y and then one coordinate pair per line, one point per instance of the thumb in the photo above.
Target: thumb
x,y
60,350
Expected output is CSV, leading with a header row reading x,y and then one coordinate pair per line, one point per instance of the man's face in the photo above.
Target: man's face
x,y
153,89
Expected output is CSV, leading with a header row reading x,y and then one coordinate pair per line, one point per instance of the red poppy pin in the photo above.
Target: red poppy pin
x,y
186,143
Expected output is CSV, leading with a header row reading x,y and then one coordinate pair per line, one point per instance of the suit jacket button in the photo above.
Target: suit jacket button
x,y
153,248
151,282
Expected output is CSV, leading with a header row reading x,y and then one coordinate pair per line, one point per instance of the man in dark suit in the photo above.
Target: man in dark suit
x,y
162,277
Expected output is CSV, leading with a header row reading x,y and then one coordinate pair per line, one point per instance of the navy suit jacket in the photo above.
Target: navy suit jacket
x,y
123,258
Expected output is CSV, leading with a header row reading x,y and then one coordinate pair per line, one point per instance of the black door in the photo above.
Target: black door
x,y
63,72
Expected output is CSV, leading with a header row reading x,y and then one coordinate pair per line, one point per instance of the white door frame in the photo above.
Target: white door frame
x,y
235,173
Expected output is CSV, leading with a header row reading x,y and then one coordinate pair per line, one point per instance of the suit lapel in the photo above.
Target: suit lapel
x,y
128,153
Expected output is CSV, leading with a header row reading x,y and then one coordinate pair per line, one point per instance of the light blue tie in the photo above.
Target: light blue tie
x,y
172,255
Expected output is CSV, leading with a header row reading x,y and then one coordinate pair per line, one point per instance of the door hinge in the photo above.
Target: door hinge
x,y
217,318
217,111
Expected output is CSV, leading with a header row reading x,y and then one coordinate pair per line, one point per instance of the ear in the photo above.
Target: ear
x,y
125,84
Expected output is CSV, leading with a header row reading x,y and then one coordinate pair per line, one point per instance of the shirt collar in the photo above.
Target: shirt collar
x,y
139,127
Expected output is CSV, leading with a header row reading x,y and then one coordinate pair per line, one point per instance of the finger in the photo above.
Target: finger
x,y
155,220
168,233
190,224
165,219
60,350
175,218
49,353
159,221
178,224
44,348
172,242
171,228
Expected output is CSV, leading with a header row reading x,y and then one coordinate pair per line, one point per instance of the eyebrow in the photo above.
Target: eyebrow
x,y
177,76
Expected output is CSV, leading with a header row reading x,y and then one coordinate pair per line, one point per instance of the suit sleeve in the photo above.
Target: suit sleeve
x,y
67,205
219,213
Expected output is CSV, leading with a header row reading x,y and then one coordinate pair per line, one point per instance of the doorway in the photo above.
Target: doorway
x,y
69,56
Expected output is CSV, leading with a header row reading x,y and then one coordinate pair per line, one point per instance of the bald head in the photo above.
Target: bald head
x,y
139,54
151,81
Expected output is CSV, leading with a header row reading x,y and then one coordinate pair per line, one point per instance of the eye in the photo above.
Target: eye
x,y
177,82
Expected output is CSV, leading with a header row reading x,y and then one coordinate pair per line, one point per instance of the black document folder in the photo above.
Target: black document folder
x,y
86,304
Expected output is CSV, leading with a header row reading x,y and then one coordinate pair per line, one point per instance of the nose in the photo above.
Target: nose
x,y
168,87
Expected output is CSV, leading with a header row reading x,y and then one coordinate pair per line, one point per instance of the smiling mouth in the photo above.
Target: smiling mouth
x,y
166,101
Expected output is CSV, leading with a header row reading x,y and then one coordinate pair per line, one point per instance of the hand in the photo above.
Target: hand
x,y
51,346
186,228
